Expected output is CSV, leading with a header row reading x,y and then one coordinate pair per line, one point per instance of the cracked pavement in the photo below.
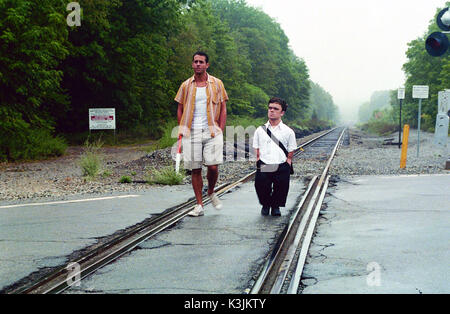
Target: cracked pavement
x,y
382,234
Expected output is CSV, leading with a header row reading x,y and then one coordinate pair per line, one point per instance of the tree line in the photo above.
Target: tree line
x,y
379,100
420,69
132,55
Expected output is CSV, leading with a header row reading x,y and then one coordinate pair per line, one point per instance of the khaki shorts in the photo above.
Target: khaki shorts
x,y
200,148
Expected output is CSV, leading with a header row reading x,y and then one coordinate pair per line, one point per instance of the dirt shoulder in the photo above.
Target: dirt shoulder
x,y
62,175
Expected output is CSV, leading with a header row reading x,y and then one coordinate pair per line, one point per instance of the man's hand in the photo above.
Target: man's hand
x,y
289,158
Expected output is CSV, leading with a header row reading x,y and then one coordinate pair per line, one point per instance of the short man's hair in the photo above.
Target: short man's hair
x,y
279,101
201,53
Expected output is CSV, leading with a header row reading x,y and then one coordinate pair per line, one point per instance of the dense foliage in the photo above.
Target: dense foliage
x,y
133,55
33,42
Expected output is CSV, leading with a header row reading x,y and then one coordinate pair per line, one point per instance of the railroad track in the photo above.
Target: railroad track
x,y
290,252
64,277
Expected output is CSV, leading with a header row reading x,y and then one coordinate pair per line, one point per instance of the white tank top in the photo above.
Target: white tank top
x,y
200,119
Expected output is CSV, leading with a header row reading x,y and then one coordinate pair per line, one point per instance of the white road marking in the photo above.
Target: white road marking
x,y
70,201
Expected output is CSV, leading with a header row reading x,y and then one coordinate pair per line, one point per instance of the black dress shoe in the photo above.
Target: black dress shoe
x,y
276,211
265,210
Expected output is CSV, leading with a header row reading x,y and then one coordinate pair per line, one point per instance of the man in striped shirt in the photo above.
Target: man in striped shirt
x,y
202,115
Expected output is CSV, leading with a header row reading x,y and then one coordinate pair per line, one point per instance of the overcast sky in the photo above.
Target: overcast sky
x,y
352,47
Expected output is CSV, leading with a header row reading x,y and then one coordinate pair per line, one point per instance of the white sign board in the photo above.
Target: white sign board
x,y
420,91
102,119
401,93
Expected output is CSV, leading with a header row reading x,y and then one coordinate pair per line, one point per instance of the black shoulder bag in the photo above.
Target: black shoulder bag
x,y
279,144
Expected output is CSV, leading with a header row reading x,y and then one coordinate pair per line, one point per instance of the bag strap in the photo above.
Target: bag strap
x,y
275,139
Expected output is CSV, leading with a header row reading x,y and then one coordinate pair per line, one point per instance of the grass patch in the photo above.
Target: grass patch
x,y
166,176
125,179
91,162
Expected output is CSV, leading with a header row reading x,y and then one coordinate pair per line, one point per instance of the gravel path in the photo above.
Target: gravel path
x,y
61,177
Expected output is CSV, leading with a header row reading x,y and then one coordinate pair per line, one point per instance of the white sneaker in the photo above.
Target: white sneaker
x,y
215,201
197,211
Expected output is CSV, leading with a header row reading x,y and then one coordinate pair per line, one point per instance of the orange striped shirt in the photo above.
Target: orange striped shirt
x,y
215,94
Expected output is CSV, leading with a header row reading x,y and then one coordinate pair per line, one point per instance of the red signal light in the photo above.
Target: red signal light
x,y
437,44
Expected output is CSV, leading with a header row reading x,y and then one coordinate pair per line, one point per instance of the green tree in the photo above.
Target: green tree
x,y
119,58
33,42
422,69
273,67
322,104
133,55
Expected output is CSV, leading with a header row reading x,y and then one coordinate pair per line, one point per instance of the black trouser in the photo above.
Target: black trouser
x,y
272,184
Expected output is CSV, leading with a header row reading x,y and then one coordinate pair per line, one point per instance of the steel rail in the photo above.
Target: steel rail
x,y
273,275
295,281
117,247
116,240
58,281
293,286
270,263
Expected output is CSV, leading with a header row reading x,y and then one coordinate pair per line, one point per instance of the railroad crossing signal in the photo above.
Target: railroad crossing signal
x,y
443,20
437,43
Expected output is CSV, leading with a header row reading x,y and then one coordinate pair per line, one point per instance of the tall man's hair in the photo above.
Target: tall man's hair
x,y
279,101
201,53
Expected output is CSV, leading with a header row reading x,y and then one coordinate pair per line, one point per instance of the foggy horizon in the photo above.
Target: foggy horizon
x,y
352,48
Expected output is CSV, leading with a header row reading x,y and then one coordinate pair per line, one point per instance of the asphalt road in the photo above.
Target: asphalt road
x,y
376,234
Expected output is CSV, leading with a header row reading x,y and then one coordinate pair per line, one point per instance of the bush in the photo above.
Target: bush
x,y
91,162
38,144
21,141
43,145
125,179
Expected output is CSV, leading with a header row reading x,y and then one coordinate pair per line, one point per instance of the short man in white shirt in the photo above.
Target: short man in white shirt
x,y
273,165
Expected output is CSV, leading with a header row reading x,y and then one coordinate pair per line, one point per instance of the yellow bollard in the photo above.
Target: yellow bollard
x,y
404,146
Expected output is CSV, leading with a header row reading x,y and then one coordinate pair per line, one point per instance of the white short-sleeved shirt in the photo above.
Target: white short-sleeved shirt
x,y
269,152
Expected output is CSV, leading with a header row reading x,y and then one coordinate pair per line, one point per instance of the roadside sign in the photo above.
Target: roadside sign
x,y
420,91
401,93
400,97
102,119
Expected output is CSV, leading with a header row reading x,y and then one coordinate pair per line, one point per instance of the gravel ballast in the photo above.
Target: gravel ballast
x,y
61,177
367,155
